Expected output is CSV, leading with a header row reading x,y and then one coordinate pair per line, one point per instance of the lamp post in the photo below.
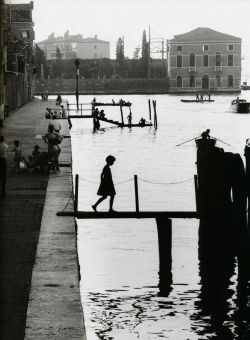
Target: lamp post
x,y
77,63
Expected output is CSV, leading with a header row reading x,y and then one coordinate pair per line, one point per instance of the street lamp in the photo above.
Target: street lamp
x,y
77,63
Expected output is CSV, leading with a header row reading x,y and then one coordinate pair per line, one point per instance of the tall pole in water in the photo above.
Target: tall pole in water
x,y
77,63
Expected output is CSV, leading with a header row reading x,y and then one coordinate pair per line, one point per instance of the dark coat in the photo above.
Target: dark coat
x,y
107,186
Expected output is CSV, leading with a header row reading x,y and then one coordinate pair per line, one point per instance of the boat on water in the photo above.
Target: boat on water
x,y
240,106
197,101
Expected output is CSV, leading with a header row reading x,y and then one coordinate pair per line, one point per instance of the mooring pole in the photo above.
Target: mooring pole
x,y
149,109
136,194
196,192
155,115
76,193
164,228
122,115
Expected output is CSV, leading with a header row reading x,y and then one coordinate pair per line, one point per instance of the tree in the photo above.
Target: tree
x,y
120,56
136,52
40,60
58,54
145,53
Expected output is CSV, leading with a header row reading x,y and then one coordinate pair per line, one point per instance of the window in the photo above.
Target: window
x,y
230,81
205,82
179,81
230,47
218,59
205,60
230,60
192,60
179,48
25,34
218,80
191,81
179,61
205,47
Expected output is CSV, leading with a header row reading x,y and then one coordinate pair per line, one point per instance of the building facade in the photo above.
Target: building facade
x,y
204,60
19,69
74,46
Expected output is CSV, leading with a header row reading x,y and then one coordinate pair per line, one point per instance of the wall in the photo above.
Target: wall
x,y
104,86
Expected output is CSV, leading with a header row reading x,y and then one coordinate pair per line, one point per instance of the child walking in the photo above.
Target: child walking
x,y
107,186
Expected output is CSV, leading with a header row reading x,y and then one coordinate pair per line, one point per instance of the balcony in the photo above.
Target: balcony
x,y
192,69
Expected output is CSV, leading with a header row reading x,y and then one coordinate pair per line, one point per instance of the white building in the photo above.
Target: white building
x,y
75,46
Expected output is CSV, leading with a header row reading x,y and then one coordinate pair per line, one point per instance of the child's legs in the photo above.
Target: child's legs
x,y
100,200
111,202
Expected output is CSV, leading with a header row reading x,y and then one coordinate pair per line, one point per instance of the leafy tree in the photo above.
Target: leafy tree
x,y
120,56
136,52
40,59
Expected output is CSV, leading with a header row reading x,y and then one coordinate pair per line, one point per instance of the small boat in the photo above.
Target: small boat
x,y
240,106
197,101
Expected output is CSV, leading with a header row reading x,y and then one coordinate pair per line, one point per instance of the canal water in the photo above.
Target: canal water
x,y
119,258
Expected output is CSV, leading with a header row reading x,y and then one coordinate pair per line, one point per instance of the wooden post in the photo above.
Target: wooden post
x,y
149,109
196,192
136,194
76,193
155,115
122,115
164,228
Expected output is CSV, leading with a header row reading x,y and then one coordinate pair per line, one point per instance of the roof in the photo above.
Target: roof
x,y
71,38
204,34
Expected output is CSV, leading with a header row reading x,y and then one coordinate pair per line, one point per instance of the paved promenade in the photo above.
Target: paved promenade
x,y
38,258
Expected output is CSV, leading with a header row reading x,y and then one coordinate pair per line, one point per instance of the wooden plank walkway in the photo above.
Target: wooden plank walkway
x,y
130,214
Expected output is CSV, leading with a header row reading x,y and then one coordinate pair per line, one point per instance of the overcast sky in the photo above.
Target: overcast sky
x,y
111,19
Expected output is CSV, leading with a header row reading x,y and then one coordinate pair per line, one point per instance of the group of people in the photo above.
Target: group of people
x,y
200,97
57,114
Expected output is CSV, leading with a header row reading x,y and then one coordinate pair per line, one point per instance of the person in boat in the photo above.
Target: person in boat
x,y
197,97
205,135
237,100
94,100
142,122
209,97
201,96
106,187
129,118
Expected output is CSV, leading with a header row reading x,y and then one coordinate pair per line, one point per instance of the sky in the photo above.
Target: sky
x,y
111,19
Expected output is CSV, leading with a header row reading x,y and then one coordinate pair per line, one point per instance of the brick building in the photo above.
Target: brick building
x,y
204,60
19,37
74,46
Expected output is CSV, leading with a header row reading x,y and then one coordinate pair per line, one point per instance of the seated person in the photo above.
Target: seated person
x,y
102,114
142,122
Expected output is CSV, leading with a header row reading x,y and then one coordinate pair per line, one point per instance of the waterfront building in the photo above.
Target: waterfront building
x,y
3,60
19,69
74,46
204,60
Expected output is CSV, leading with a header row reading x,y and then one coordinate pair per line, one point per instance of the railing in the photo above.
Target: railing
x,y
73,107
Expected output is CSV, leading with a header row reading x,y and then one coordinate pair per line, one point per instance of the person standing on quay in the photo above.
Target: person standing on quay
x,y
3,163
107,186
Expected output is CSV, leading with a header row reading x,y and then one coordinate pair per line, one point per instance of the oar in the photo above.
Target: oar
x,y
220,140
190,140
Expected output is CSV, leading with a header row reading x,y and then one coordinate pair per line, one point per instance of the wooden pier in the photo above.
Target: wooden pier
x,y
120,104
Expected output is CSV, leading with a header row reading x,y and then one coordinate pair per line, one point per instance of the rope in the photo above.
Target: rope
x,y
166,183
93,182
71,196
